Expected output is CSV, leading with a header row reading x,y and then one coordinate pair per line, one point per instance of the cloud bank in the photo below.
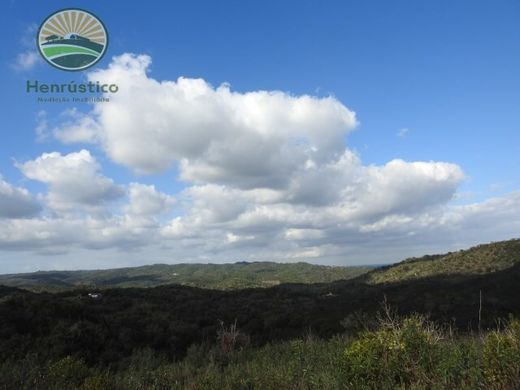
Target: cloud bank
x,y
267,176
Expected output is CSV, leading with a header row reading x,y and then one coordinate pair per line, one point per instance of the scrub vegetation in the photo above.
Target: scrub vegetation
x,y
381,330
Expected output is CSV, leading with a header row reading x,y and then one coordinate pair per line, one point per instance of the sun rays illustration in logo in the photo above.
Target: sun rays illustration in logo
x,y
72,39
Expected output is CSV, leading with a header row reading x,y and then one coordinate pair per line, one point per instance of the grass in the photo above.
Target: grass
x,y
60,50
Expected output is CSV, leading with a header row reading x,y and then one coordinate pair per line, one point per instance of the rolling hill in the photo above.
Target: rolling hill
x,y
466,292
212,276
479,260
170,318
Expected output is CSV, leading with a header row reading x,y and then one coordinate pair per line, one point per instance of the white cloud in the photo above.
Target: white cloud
x,y
16,202
29,57
26,60
42,126
406,188
267,176
233,238
326,239
145,200
248,140
68,233
73,180
403,132
303,234
77,128
293,146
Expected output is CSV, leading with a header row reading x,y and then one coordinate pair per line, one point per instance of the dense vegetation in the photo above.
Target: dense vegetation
x,y
214,276
398,354
479,260
327,335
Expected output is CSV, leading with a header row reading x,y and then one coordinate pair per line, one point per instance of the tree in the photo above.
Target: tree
x,y
52,37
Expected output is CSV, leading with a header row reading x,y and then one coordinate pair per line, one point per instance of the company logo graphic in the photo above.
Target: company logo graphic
x,y
72,39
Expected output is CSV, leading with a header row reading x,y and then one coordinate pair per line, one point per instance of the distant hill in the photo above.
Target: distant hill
x,y
212,276
470,290
479,260
171,318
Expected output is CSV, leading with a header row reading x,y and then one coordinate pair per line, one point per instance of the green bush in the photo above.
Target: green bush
x,y
501,356
403,353
394,356
459,366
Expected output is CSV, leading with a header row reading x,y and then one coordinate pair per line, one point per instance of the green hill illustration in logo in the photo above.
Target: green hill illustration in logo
x,y
72,39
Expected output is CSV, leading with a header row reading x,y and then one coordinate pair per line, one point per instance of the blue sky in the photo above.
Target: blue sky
x,y
430,81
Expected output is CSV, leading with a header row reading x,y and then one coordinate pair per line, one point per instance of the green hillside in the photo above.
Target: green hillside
x,y
213,276
303,336
479,260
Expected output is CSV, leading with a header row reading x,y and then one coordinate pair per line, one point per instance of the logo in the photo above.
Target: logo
x,y
72,39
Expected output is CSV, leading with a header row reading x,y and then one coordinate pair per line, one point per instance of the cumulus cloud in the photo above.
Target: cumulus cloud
x,y
270,140
16,202
327,239
76,183
69,233
73,179
248,140
406,187
266,176
78,127
145,200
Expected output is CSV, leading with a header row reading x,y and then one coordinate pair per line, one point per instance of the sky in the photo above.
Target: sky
x,y
342,133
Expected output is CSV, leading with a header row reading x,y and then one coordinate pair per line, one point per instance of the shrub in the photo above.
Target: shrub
x,y
230,338
459,366
501,357
403,353
399,354
66,373
98,382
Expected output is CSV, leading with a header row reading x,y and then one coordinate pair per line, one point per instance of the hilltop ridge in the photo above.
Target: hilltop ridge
x,y
478,260
213,276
